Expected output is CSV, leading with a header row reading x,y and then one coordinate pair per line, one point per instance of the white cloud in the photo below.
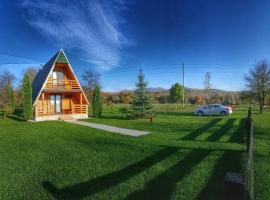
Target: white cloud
x,y
92,27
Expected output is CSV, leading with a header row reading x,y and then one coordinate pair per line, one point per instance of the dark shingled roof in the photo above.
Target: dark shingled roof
x,y
41,77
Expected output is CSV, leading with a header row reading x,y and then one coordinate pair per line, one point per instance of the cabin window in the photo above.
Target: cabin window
x,y
58,76
52,100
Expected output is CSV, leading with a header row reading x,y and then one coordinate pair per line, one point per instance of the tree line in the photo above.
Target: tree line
x,y
21,97
257,91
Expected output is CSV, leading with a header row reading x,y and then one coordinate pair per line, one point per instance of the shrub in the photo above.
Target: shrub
x,y
11,101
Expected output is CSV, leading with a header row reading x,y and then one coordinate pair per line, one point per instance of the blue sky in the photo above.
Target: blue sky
x,y
118,37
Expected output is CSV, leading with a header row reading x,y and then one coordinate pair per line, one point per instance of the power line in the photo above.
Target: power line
x,y
17,56
10,63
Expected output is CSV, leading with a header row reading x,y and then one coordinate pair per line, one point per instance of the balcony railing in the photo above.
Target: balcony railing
x,y
79,109
62,84
47,109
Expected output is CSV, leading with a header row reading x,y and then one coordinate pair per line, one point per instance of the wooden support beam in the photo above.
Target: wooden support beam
x,y
42,96
81,101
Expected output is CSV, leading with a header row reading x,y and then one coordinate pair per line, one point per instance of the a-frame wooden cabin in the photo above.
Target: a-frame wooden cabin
x,y
57,93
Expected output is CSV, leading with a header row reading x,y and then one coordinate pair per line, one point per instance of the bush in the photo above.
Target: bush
x,y
11,101
124,111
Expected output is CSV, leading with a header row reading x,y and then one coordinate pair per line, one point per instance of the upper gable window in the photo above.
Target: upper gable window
x,y
58,75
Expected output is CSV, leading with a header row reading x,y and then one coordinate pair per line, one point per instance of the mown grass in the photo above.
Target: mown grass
x,y
184,157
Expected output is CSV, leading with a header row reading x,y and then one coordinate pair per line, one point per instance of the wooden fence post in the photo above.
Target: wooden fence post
x,y
248,128
235,184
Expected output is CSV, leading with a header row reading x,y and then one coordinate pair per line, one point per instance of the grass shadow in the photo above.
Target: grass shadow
x,y
108,117
16,118
163,185
176,114
102,183
17,115
220,132
230,161
238,135
201,130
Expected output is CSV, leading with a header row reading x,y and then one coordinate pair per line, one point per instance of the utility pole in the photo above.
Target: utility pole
x,y
183,91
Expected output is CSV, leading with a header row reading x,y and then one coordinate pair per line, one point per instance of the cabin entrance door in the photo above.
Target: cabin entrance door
x,y
56,101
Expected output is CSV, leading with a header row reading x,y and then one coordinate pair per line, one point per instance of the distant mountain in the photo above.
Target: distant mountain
x,y
191,91
157,89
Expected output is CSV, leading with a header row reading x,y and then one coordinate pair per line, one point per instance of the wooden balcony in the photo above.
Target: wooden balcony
x,y
62,85
47,110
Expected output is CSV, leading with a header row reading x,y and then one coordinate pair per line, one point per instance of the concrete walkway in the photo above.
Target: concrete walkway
x,y
112,129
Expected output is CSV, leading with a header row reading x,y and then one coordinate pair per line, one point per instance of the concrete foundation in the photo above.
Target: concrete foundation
x,y
56,117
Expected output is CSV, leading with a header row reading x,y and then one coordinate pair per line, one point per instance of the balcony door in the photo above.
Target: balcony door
x,y
56,102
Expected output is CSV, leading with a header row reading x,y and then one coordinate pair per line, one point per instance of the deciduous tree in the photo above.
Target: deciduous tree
x,y
90,80
176,93
6,81
208,87
258,81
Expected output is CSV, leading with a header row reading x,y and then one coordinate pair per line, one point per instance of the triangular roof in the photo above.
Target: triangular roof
x,y
44,73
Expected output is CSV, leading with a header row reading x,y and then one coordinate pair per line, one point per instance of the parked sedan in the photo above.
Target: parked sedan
x,y
215,109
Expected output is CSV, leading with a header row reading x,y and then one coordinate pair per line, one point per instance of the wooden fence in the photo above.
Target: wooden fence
x,y
250,169
238,186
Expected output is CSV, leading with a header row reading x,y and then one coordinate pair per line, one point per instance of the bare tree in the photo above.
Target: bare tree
x,y
31,71
258,81
6,79
90,80
208,87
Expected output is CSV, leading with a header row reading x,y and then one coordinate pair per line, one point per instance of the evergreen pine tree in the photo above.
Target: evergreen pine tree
x,y
96,102
27,97
141,106
11,101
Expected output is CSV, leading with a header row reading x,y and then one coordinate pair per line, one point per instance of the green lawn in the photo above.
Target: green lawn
x,y
184,157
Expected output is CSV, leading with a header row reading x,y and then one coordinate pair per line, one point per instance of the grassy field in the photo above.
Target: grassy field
x,y
184,157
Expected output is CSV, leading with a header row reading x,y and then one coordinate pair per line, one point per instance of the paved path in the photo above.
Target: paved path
x,y
112,129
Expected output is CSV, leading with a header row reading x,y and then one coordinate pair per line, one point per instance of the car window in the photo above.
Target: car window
x,y
212,106
217,106
206,107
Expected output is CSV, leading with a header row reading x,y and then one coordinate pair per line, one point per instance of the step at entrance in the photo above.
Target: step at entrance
x,y
65,117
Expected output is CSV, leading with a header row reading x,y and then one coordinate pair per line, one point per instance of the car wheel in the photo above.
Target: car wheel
x,y
222,113
200,113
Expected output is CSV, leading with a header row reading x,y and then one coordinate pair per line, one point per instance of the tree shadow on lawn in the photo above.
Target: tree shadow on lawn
x,y
17,115
230,161
118,117
104,182
221,131
238,136
163,185
200,130
16,118
176,114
